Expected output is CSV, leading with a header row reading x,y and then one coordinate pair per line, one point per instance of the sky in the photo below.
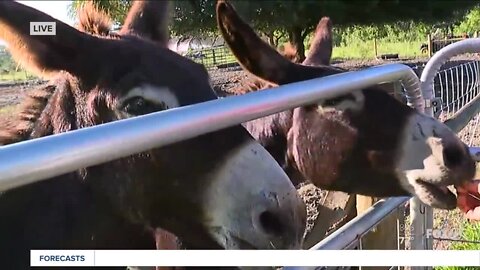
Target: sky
x,y
56,9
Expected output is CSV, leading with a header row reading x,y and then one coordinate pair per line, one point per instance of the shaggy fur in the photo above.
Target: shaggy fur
x,y
92,20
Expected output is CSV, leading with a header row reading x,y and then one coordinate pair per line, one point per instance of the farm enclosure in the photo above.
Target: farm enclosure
x,y
225,79
197,121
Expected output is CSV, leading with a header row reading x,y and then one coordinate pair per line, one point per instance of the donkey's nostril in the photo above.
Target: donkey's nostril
x,y
271,223
453,156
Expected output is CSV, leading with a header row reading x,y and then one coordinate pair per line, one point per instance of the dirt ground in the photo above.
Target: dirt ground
x,y
224,81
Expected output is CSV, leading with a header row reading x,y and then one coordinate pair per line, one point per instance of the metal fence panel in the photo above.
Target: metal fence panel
x,y
30,161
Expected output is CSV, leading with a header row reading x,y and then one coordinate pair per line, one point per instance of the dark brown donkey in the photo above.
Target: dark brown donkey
x,y
365,142
221,190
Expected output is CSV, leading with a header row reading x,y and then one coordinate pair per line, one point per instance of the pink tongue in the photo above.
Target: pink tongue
x,y
165,239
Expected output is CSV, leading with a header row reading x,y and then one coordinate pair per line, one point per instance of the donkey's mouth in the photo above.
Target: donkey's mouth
x,y
230,240
242,244
436,196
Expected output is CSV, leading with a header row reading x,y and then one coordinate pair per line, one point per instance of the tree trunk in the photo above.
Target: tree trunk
x,y
277,39
296,39
271,41
271,38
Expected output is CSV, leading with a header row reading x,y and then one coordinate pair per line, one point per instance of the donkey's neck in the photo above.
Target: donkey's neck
x,y
272,133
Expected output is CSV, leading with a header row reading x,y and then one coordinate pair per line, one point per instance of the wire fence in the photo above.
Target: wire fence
x,y
218,57
456,89
455,100
436,44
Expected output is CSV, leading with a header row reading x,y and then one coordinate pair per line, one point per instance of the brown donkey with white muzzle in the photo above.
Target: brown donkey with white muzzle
x,y
221,190
365,142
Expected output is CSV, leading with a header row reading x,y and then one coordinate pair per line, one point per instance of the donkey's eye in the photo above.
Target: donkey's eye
x,y
138,106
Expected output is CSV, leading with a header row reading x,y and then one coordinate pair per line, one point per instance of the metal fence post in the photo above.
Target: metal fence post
x,y
418,228
430,45
427,222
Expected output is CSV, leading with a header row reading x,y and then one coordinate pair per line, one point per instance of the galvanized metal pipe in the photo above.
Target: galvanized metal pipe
x,y
471,45
356,227
30,161
475,152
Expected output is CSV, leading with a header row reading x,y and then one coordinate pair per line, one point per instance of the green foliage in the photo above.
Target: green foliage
x,y
196,17
6,63
391,21
396,32
470,23
357,41
470,232
9,70
365,50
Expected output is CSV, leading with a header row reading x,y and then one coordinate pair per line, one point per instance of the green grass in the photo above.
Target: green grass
x,y
16,76
365,50
471,232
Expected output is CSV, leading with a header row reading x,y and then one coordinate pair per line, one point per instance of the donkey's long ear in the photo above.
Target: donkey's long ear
x,y
252,52
321,44
149,19
42,55
257,56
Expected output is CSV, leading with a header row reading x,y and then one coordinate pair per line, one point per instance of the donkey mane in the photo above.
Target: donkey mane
x,y
21,127
290,52
94,21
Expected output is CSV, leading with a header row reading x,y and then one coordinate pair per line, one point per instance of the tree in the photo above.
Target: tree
x,y
195,17
297,18
471,22
116,9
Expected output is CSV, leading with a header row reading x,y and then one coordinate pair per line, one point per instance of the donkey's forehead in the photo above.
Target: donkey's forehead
x,y
130,62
